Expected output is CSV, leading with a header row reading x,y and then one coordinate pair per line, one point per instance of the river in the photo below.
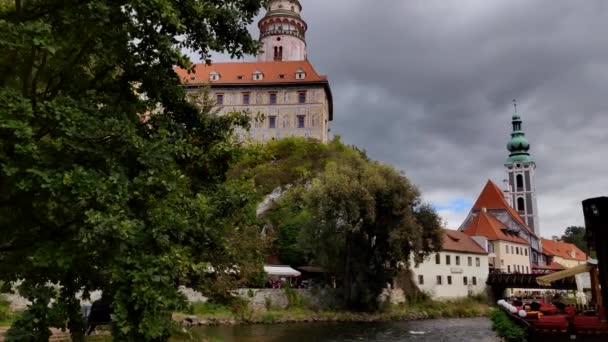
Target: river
x,y
456,330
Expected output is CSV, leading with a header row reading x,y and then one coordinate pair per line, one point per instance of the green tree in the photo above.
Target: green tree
x,y
576,236
359,219
368,220
94,197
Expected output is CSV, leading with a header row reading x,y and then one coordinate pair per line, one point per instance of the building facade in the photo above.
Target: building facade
x,y
459,270
282,93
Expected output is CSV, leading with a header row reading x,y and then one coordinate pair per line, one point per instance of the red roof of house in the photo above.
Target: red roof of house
x,y
492,197
231,73
484,224
563,250
456,241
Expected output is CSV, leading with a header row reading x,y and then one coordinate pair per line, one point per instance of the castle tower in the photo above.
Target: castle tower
x,y
282,32
521,175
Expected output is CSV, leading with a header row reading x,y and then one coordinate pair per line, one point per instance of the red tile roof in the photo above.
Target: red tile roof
x,y
484,224
492,197
456,241
232,73
563,250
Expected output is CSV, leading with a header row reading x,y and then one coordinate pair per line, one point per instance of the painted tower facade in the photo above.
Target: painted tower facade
x,y
282,32
521,170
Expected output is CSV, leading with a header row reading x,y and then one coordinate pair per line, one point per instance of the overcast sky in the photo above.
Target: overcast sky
x,y
427,86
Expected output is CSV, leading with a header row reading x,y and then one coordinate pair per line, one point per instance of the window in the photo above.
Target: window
x,y
278,53
458,260
301,121
448,260
302,97
528,269
258,76
517,251
438,259
470,261
273,98
421,279
507,247
520,182
526,251
502,262
449,280
521,204
246,98
465,280
509,268
272,122
219,99
474,280
439,280
478,262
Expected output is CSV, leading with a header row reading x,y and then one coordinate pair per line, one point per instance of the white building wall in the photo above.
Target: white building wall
x,y
511,257
429,270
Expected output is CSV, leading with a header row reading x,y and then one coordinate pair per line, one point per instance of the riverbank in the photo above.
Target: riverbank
x,y
202,314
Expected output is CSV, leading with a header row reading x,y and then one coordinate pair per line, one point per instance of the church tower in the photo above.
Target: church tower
x,y
282,32
521,170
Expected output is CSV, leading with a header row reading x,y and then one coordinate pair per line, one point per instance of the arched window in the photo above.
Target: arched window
x,y
520,182
521,204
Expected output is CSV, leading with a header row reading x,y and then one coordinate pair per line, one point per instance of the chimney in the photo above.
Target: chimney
x,y
484,210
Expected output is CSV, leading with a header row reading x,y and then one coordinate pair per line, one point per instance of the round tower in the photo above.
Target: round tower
x,y
282,32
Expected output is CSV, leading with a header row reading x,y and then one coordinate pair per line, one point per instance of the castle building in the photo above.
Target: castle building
x,y
508,219
282,92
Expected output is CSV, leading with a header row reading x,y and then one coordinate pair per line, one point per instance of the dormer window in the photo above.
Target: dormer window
x,y
258,76
214,76
239,77
300,74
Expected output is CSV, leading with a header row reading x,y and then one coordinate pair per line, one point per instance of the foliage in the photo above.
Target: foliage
x,y
576,236
96,195
358,219
506,328
5,310
368,220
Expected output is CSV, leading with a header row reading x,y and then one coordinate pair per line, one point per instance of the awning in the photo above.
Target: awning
x,y
571,272
284,271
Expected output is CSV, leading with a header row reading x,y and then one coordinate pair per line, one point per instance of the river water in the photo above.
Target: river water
x,y
457,330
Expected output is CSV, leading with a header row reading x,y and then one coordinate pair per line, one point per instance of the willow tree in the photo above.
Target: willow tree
x,y
91,197
367,223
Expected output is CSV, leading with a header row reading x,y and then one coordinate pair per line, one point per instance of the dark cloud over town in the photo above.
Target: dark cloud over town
x,y
427,86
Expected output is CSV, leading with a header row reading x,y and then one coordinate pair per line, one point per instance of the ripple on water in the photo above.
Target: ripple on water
x,y
452,330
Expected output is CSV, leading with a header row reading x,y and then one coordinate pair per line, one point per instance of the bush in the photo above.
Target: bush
x,y
506,328
5,309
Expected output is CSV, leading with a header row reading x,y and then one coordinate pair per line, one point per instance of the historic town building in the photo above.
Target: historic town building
x,y
281,92
459,270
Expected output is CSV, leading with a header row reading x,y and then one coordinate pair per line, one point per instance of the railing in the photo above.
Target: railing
x,y
275,32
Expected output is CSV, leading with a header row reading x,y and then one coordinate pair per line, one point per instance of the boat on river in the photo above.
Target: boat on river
x,y
573,322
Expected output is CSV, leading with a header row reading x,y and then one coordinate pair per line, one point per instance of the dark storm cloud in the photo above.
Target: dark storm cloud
x,y
426,85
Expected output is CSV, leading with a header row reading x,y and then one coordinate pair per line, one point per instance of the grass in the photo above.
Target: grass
x,y
420,309
506,328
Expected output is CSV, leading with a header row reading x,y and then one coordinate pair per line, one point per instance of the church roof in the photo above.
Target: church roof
x,y
485,224
563,250
492,197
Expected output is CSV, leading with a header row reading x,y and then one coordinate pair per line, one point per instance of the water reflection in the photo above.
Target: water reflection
x,y
458,330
